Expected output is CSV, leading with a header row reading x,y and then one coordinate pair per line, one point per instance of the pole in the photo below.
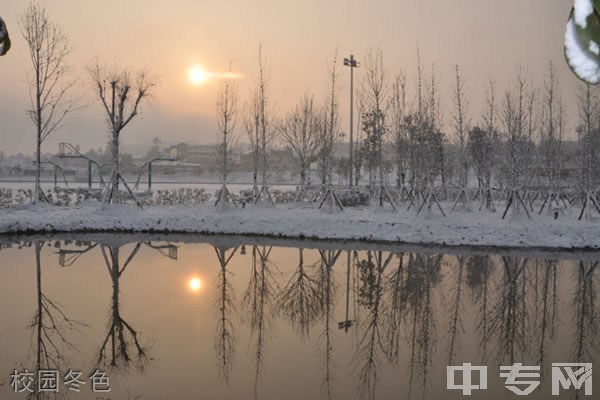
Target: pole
x,y
347,323
89,174
351,118
352,63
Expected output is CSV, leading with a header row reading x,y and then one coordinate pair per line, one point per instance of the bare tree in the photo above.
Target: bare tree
x,y
252,129
517,147
481,151
227,114
461,120
358,146
263,120
398,115
121,96
49,82
437,138
490,123
299,130
551,138
413,124
374,97
588,137
328,133
328,136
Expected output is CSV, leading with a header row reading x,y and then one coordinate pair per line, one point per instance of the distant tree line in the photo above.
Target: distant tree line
x,y
404,139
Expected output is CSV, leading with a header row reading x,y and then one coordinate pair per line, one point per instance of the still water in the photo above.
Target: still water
x,y
185,317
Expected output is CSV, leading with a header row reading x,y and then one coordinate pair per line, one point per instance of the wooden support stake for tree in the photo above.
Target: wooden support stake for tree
x,y
302,195
332,196
488,200
224,194
384,195
429,200
464,197
511,201
589,198
264,191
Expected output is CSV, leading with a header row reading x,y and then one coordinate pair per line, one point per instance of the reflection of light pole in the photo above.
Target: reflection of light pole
x,y
352,63
347,324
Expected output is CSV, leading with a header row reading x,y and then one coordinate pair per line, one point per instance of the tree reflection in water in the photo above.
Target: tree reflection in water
x,y
259,303
547,312
50,327
423,277
116,351
479,272
508,304
299,301
585,316
510,314
225,336
326,289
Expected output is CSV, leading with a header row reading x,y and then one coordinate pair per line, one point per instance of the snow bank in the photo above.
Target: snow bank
x,y
367,224
585,65
582,9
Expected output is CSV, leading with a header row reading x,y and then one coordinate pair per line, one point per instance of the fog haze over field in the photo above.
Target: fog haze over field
x,y
485,37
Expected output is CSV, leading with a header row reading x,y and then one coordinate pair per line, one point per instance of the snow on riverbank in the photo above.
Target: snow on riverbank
x,y
459,228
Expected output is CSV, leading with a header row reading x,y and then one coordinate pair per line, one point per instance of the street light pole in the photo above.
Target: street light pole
x,y
352,63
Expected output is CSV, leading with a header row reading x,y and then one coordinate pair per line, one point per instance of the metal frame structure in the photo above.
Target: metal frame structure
x,y
171,154
67,150
56,168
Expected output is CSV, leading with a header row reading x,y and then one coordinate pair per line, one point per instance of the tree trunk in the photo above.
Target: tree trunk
x,y
38,169
116,169
443,171
302,176
38,156
40,327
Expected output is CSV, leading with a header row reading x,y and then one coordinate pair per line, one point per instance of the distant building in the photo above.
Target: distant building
x,y
203,154
279,160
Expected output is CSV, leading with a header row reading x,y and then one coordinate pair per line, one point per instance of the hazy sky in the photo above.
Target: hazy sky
x,y
487,38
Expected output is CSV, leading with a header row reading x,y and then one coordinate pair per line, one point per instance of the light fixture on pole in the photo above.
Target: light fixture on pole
x,y
352,63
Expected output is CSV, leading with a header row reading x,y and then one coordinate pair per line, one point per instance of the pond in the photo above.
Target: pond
x,y
182,317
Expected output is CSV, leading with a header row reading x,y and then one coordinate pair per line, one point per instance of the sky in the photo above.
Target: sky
x,y
488,39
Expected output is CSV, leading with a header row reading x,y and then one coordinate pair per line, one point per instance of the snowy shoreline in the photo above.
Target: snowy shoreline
x,y
369,224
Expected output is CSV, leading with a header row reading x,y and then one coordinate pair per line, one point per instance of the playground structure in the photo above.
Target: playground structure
x,y
171,155
67,150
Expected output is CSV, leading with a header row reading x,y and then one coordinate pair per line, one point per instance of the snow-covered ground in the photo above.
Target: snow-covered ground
x,y
370,224
156,185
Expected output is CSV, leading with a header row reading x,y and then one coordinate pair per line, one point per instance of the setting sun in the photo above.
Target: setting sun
x,y
197,75
195,284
